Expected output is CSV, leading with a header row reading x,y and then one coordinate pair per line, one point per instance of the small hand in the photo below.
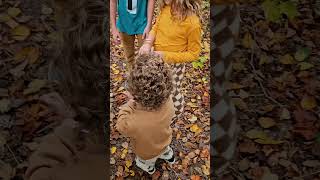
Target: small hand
x,y
145,49
115,35
146,32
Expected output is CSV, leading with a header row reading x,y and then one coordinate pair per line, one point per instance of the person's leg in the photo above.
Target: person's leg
x,y
177,95
168,155
146,165
140,40
128,46
225,20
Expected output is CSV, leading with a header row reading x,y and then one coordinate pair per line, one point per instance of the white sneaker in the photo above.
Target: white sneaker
x,y
168,156
149,168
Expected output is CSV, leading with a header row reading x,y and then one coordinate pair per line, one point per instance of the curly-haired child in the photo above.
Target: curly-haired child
x,y
176,36
146,118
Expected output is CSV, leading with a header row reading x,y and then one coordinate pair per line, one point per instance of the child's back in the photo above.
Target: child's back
x,y
147,117
150,130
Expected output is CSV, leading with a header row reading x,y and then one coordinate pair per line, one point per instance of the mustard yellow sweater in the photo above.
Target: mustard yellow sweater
x,y
179,41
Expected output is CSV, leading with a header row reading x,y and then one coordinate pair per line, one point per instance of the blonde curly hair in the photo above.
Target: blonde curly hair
x,y
150,82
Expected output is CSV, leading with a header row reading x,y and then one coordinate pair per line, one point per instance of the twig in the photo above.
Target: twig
x,y
12,154
257,77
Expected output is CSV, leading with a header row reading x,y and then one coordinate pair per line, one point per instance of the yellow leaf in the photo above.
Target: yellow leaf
x,y
247,41
206,94
287,59
113,149
116,72
195,128
29,53
20,33
205,170
266,122
126,169
193,100
120,89
305,66
128,163
308,102
124,153
13,12
255,134
132,173
192,105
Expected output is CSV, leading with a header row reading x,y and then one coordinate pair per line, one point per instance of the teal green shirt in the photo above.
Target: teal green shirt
x,y
132,16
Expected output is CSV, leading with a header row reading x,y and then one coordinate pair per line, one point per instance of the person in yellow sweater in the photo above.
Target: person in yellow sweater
x,y
176,37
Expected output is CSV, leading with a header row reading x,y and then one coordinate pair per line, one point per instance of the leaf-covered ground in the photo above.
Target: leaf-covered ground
x,y
26,28
275,87
191,133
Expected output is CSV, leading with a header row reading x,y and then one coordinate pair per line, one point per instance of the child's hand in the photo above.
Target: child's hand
x,y
145,49
116,35
159,54
146,32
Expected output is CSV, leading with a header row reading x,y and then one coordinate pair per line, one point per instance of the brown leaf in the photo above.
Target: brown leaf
x,y
31,54
266,122
308,103
248,147
35,86
120,171
156,175
311,163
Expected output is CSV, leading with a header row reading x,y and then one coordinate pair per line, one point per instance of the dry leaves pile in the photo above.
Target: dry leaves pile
x,y
24,39
275,87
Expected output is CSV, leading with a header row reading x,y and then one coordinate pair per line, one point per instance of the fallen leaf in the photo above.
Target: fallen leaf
x,y
268,141
20,33
195,128
234,86
35,86
239,103
132,173
287,59
113,149
13,12
156,175
302,54
112,161
205,170
285,114
128,163
311,163
255,134
5,105
193,119
119,172
266,122
31,54
195,177
247,40
124,153
248,147
244,165
308,103
305,66
46,10
268,176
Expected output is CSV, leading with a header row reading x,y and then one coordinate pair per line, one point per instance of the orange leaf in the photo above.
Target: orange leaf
x,y
195,177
